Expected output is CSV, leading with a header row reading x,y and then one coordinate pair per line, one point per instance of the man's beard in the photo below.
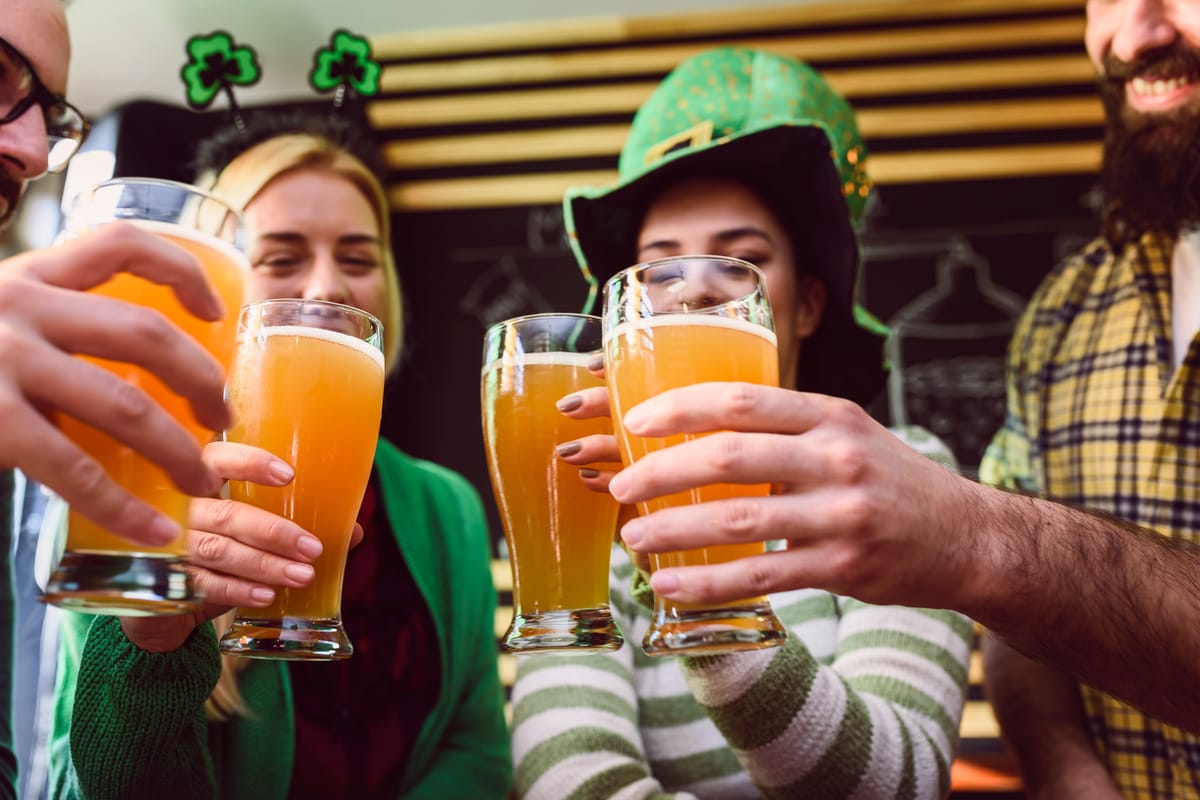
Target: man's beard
x,y
1150,178
10,194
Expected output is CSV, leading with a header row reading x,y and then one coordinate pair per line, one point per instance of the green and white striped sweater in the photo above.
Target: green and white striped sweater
x,y
861,702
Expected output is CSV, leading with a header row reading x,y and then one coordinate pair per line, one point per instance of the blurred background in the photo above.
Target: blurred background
x,y
980,115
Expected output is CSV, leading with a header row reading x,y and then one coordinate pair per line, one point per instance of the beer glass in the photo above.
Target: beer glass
x,y
674,322
559,532
99,572
307,386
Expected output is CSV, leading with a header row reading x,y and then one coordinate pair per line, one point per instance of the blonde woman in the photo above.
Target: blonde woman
x,y
418,711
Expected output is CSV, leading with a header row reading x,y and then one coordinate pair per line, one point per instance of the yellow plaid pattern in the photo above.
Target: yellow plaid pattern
x,y
1097,417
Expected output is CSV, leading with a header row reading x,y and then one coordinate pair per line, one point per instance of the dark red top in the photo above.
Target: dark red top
x,y
357,720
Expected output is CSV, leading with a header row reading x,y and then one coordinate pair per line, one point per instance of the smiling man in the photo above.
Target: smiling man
x,y
1105,393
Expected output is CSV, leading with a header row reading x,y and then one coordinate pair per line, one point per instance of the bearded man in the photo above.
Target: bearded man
x,y
1104,395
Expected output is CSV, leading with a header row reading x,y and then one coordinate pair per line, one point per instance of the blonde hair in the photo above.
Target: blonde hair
x,y
238,183
244,177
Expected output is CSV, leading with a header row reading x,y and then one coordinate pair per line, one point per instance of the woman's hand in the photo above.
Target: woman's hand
x,y
237,552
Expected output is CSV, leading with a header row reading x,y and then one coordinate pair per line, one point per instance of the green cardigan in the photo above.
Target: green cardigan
x,y
131,724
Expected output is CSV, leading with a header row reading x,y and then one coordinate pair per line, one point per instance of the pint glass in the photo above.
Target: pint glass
x,y
674,322
559,532
306,386
99,572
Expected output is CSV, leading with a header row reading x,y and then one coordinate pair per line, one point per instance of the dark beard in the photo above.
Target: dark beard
x,y
10,193
1150,178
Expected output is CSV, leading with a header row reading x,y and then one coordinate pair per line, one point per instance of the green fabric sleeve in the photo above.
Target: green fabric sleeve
x,y
472,758
136,720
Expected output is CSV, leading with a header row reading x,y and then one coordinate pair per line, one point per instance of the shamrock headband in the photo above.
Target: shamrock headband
x,y
216,64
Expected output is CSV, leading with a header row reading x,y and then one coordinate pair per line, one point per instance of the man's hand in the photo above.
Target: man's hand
x,y
46,317
863,514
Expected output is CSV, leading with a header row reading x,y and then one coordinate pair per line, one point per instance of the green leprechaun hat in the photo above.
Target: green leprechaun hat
x,y
773,123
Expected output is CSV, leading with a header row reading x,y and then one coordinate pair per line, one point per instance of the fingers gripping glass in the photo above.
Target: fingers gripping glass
x,y
20,88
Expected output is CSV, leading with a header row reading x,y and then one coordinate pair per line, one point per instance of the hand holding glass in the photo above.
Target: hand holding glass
x,y
675,322
306,386
559,532
99,572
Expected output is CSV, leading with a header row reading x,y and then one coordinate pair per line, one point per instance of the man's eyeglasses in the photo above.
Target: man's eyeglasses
x,y
20,88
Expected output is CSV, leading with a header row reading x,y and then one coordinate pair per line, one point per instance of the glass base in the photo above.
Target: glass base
x,y
576,631
122,584
290,638
705,632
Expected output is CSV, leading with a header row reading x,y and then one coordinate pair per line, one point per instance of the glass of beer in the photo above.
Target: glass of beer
x,y
99,572
307,386
559,532
675,322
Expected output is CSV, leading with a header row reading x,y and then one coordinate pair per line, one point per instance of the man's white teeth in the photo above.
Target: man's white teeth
x,y
1158,87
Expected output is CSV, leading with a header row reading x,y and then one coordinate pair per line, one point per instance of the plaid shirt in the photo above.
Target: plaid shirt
x,y
1098,417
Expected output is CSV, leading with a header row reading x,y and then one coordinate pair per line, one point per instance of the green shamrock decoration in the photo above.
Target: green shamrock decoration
x,y
345,64
216,64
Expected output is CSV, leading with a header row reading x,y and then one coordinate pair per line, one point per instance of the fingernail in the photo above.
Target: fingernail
x,y
309,546
300,573
619,485
632,533
588,472
596,362
281,471
164,530
568,448
216,308
569,403
664,583
262,595
634,419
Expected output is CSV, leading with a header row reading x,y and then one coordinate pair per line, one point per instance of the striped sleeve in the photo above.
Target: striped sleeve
x,y
576,727
880,721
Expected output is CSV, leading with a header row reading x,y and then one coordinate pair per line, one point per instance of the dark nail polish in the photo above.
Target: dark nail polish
x,y
588,472
596,363
569,403
568,449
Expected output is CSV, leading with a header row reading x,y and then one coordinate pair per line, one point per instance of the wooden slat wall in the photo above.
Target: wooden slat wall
x,y
948,90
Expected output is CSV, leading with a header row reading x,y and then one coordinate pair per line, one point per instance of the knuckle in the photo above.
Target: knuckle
x,y
208,548
740,518
87,476
150,326
760,577
130,403
728,451
738,400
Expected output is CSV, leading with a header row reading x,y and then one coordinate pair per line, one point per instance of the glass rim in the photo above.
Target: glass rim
x,y
545,315
654,262
293,301
89,192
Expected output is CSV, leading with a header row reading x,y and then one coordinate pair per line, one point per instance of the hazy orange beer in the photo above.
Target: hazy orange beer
x,y
100,572
673,323
559,532
307,386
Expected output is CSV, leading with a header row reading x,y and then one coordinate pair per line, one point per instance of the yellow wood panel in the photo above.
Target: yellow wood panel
x,y
978,721
661,58
916,167
606,140
508,106
613,30
565,103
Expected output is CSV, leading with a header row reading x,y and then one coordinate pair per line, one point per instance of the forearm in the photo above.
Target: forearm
x,y
1111,604
1042,721
138,725
882,720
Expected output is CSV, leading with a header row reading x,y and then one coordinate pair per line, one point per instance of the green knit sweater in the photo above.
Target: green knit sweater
x,y
131,724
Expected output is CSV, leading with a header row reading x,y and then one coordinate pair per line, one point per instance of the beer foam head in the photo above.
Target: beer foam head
x,y
695,320
336,337
576,360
